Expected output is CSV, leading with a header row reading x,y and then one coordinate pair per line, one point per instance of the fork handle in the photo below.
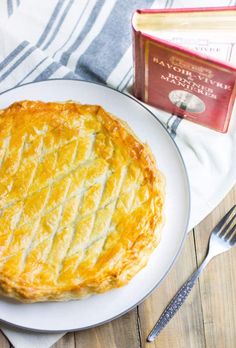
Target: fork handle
x,y
176,302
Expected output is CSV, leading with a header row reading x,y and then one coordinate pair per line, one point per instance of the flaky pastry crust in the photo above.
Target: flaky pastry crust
x,y
81,201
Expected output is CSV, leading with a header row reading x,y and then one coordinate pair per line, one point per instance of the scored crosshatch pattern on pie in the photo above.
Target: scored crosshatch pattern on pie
x,y
75,200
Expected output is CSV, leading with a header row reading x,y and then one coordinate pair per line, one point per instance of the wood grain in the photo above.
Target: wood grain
x,y
120,333
218,284
3,341
67,341
186,328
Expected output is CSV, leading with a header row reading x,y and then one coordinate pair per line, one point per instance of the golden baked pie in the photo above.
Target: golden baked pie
x,y
81,201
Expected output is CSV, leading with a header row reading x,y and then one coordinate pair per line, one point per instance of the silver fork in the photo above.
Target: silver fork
x,y
223,237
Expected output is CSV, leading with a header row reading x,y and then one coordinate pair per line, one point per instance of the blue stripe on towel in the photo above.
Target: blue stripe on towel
x,y
124,77
31,71
17,63
13,54
9,7
130,89
174,126
108,47
74,28
122,88
50,22
97,8
44,75
169,3
70,76
57,29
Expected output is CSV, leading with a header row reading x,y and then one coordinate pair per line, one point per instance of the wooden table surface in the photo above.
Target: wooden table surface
x,y
206,320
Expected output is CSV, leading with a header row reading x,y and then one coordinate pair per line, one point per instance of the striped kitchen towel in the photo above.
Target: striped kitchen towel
x,y
91,40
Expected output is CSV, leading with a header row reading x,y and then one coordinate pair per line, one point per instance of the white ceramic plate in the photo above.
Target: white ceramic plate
x,y
76,315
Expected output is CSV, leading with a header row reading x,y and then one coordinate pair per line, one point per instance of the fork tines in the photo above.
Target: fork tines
x,y
226,227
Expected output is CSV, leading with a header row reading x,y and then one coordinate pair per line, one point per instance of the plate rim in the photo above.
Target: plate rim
x,y
186,223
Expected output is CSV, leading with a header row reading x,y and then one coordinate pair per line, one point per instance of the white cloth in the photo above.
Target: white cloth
x,y
90,39
27,339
